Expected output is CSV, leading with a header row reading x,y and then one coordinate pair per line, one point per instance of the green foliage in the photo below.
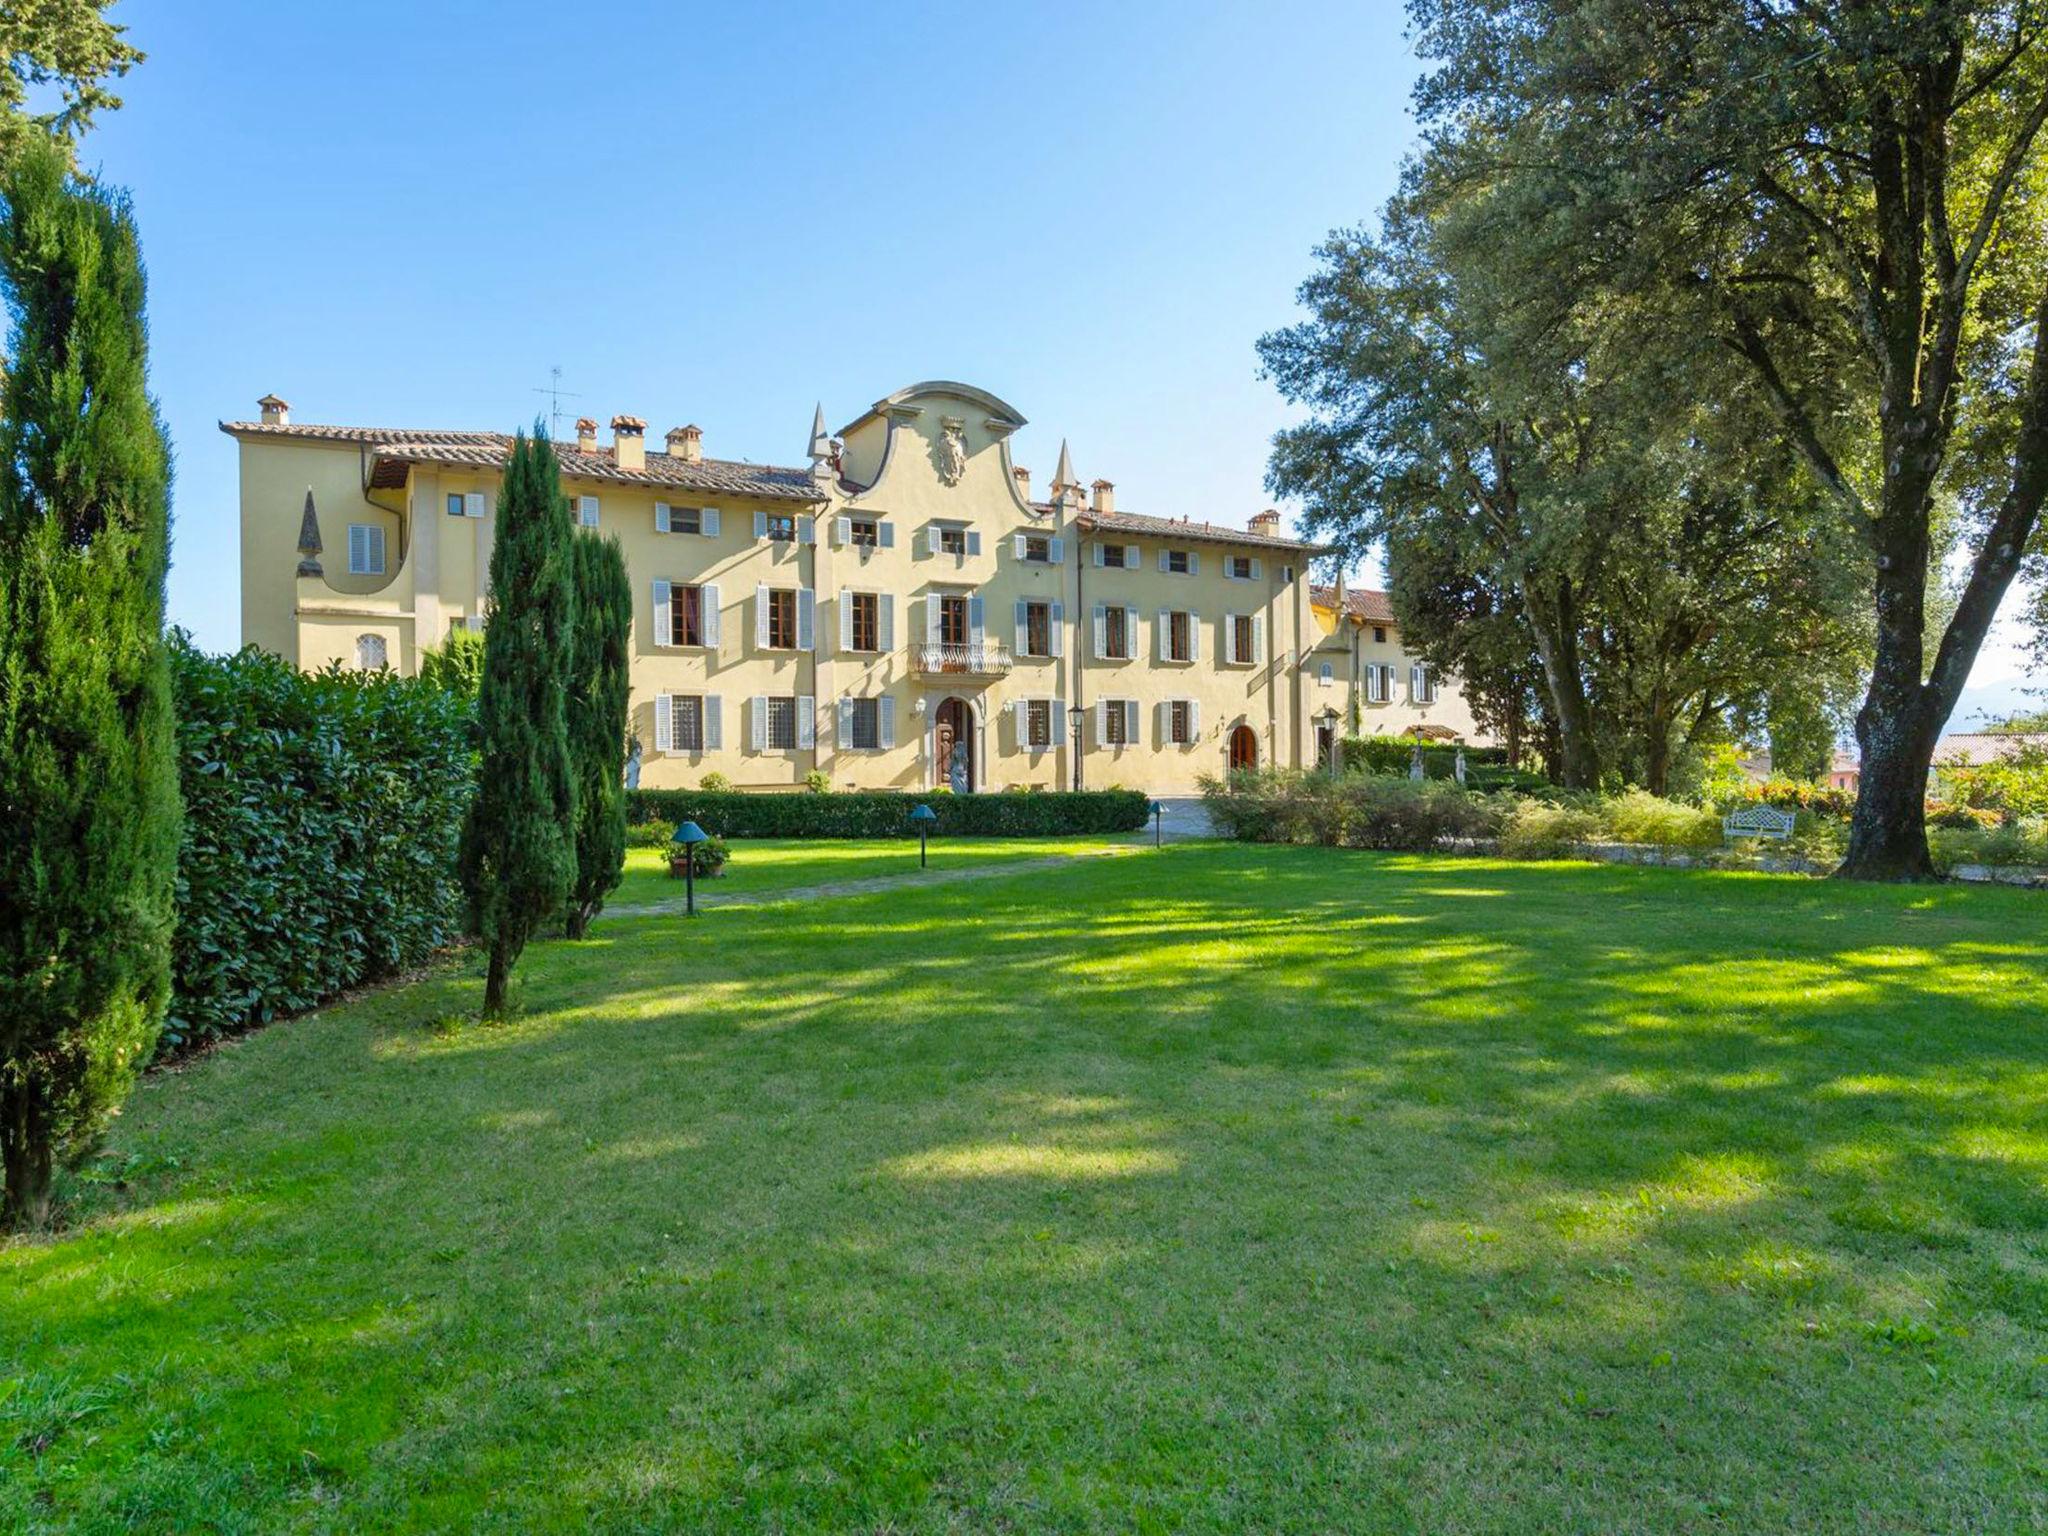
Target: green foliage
x,y
518,852
1544,829
65,46
1356,810
715,783
321,818
887,814
88,782
1637,816
2009,843
599,691
2016,785
818,782
706,858
458,666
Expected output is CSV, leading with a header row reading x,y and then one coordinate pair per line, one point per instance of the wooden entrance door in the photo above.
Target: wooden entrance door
x,y
953,727
1244,748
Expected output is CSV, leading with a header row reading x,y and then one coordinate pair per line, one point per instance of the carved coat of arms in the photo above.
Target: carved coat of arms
x,y
952,450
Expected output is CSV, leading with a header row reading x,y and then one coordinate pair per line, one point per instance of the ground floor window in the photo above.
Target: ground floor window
x,y
865,718
1038,724
1180,722
686,722
781,724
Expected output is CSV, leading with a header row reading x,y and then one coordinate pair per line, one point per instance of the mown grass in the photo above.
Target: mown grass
x,y
1217,1189
766,866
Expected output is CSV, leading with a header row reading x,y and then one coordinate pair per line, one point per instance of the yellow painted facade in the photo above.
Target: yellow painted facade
x,y
897,613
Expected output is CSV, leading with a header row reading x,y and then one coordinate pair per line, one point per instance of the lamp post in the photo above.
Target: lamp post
x,y
1328,720
923,819
1158,825
687,837
1075,718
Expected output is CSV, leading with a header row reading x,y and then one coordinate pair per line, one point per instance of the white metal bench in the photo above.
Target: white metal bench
x,y
1758,821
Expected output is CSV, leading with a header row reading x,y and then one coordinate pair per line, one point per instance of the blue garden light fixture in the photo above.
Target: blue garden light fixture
x,y
1158,824
687,837
924,818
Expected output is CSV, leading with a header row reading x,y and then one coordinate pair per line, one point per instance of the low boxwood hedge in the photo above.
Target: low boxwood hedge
x,y
1393,754
886,813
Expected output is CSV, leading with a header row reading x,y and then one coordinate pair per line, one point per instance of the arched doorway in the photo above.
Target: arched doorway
x,y
953,727
1244,748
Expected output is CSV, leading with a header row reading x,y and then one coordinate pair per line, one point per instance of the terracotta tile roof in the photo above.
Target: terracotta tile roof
x,y
1975,748
393,449
1361,603
1172,528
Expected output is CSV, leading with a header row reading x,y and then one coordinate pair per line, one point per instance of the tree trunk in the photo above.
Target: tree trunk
x,y
577,923
1557,648
26,1153
497,980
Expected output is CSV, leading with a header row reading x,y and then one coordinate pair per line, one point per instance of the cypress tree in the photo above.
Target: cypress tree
x,y
598,694
89,809
518,853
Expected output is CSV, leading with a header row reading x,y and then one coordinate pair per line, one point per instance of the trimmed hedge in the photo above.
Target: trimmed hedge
x,y
1392,754
886,813
321,817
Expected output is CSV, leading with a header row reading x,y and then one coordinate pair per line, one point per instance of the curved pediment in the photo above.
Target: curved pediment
x,y
1000,413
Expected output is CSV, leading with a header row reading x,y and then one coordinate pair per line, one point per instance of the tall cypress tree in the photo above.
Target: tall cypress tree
x,y
598,693
518,854
89,809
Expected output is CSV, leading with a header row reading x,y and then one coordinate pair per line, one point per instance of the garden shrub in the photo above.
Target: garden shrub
x,y
321,818
886,813
1393,755
706,858
1356,810
1637,816
1549,829
2015,785
2024,841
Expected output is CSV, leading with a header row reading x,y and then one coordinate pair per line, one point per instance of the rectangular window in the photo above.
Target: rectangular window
x,y
1241,633
586,511
1421,685
1038,547
867,622
1239,568
685,519
686,615
863,533
781,526
1116,634
686,717
455,504
1038,629
1177,562
1116,723
1180,637
1120,557
782,724
953,619
1038,723
1329,674
365,550
782,618
1379,634
952,541
1180,726
865,717
1379,684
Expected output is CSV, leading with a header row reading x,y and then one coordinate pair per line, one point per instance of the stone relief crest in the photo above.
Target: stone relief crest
x,y
950,452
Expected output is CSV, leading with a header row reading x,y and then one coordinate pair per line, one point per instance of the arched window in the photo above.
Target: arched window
x,y
370,653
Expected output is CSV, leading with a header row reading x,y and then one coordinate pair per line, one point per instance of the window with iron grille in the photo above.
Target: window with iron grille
x,y
1038,723
1116,723
1179,723
782,724
686,722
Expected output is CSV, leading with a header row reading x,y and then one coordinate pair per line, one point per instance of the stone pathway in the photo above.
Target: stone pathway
x,y
708,899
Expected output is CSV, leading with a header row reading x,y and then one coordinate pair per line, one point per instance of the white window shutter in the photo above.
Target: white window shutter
x,y
974,626
806,721
1165,561
1162,634
1194,637
1101,627
974,541
1057,553
1257,567
587,511
664,728
1131,721
714,723
886,533
807,530
1056,626
661,523
921,543
1020,722
1163,712
760,616
885,722
846,723
885,622
1194,720
1133,559
1023,616
760,525
842,531
708,606
474,623
1102,722
1258,639
806,619
1131,645
844,603
1019,546
1230,639
473,504
757,722
1060,728
664,615
708,522
1101,554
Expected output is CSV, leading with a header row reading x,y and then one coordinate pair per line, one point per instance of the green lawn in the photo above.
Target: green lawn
x,y
771,865
1218,1189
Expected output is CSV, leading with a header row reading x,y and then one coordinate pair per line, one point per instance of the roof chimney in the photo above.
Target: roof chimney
x,y
1105,498
687,444
586,435
1266,523
629,443
276,412
1023,482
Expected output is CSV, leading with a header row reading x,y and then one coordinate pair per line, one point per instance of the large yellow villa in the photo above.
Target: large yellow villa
x,y
901,612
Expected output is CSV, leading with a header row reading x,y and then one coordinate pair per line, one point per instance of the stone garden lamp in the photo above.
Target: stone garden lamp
x,y
687,837
923,818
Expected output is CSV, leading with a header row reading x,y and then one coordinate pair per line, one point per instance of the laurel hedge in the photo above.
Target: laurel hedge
x,y
886,813
321,817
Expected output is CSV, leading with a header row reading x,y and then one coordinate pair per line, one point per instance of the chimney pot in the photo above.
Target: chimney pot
x,y
687,444
276,412
629,443
1105,498
586,435
1266,522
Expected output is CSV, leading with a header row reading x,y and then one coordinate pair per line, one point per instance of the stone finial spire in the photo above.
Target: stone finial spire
x,y
821,440
1063,480
309,539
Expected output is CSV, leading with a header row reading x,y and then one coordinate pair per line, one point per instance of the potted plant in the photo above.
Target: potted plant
x,y
710,854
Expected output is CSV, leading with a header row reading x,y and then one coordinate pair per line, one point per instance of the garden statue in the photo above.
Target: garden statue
x,y
633,764
1415,762
1458,767
956,768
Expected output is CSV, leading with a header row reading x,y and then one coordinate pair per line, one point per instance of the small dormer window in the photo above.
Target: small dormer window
x,y
952,540
781,527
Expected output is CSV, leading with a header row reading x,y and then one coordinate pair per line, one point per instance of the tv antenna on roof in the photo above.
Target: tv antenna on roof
x,y
556,395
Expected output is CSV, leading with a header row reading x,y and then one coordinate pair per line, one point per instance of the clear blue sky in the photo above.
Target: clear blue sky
x,y
404,215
